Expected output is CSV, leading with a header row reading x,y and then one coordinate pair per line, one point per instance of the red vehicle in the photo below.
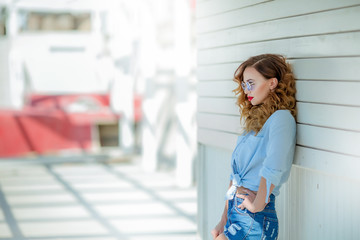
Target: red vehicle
x,y
49,124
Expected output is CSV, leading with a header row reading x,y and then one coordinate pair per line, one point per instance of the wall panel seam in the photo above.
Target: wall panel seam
x,y
323,172
329,104
221,63
217,130
210,96
297,123
325,80
316,57
216,80
326,127
280,18
233,10
328,151
288,58
219,114
205,80
277,39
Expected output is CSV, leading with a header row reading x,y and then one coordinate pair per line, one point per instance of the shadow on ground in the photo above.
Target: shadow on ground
x,y
88,198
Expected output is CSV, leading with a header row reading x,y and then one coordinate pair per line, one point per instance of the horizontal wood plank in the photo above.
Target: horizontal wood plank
x,y
225,123
208,8
332,69
327,139
328,162
335,21
302,47
216,88
217,72
217,139
331,116
329,92
218,105
261,13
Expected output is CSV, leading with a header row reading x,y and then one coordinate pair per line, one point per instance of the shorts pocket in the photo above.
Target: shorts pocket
x,y
239,228
270,228
239,210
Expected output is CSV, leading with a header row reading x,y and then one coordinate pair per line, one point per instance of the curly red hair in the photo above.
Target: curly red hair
x,y
283,96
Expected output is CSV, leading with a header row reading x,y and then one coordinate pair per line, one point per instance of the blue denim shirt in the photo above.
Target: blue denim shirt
x,y
269,154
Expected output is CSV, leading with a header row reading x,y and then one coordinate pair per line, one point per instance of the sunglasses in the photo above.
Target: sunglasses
x,y
249,86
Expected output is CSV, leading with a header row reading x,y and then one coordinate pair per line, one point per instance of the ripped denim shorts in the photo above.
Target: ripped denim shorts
x,y
243,224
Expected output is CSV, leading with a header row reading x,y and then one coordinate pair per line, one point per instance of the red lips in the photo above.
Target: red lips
x,y
250,98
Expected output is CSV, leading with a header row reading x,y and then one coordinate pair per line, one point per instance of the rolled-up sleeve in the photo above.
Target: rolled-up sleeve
x,y
280,149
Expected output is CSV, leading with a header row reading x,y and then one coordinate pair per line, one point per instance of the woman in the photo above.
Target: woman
x,y
264,152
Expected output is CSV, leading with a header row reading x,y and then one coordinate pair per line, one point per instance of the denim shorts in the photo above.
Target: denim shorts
x,y
243,224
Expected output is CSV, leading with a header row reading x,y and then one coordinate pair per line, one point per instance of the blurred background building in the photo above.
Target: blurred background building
x,y
90,76
97,119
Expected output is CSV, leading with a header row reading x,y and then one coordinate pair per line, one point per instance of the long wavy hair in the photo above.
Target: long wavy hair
x,y
282,97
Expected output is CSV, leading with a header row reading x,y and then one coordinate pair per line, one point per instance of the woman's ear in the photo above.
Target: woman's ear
x,y
273,83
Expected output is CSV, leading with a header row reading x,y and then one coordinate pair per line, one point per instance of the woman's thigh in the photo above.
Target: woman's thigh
x,y
221,237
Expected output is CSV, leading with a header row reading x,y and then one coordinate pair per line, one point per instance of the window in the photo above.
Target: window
x,y
3,16
45,21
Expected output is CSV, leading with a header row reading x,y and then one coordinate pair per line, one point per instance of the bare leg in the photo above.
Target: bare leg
x,y
221,237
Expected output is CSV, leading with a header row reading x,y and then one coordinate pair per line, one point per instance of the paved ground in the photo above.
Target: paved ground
x,y
93,200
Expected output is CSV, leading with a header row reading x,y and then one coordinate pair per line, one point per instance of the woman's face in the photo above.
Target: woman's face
x,y
256,87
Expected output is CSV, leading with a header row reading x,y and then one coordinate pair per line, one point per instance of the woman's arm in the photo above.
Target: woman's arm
x,y
256,203
219,228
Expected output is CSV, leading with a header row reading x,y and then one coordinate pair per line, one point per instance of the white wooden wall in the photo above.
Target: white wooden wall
x,y
322,41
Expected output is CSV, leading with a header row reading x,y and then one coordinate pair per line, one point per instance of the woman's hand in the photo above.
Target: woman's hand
x,y
256,202
248,202
218,229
